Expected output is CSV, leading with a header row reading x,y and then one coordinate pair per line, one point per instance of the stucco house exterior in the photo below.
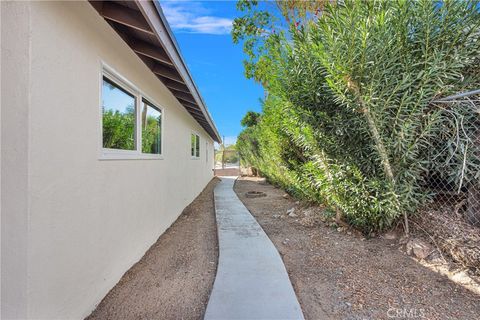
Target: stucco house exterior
x,y
105,139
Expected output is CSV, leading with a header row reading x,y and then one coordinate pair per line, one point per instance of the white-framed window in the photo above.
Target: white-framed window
x,y
118,117
195,145
131,123
151,128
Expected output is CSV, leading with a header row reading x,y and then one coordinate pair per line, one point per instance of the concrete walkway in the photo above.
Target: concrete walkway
x,y
251,281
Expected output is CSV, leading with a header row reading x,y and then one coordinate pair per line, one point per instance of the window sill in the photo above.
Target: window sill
x,y
195,158
128,155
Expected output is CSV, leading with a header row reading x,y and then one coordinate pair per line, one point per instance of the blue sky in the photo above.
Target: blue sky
x,y
202,30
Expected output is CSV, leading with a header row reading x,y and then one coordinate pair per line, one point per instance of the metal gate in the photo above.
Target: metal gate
x,y
227,163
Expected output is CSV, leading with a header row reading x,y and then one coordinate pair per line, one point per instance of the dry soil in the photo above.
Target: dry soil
x,y
342,275
175,277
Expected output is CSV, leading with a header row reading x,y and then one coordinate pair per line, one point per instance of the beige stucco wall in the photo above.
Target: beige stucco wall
x,y
81,222
15,79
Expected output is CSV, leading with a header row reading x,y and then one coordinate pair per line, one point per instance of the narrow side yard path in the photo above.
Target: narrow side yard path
x,y
174,278
251,280
340,275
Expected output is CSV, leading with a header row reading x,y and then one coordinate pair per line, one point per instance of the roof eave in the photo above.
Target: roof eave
x,y
143,26
170,44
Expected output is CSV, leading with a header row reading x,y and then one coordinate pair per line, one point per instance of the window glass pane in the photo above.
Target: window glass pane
x,y
151,129
192,145
118,119
197,147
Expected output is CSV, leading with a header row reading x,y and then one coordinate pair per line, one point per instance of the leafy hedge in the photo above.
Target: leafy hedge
x,y
348,120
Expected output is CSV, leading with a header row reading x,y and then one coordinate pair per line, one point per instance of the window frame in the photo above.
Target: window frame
x,y
145,100
195,157
120,154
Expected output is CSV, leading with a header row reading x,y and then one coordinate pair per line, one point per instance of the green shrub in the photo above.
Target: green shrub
x,y
349,120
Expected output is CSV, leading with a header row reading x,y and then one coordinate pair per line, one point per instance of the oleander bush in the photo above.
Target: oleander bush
x,y
348,119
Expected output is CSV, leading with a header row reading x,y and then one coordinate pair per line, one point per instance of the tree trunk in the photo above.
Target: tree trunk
x,y
382,151
372,127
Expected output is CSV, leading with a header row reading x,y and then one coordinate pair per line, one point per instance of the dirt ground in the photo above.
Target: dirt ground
x,y
227,172
175,277
342,275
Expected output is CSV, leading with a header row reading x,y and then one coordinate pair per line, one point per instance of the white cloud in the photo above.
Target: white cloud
x,y
193,17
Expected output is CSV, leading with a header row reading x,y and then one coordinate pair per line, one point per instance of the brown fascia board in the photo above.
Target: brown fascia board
x,y
174,85
193,110
192,105
184,96
126,16
151,51
153,14
167,72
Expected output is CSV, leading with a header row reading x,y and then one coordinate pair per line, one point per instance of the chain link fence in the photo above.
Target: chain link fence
x,y
452,218
454,174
